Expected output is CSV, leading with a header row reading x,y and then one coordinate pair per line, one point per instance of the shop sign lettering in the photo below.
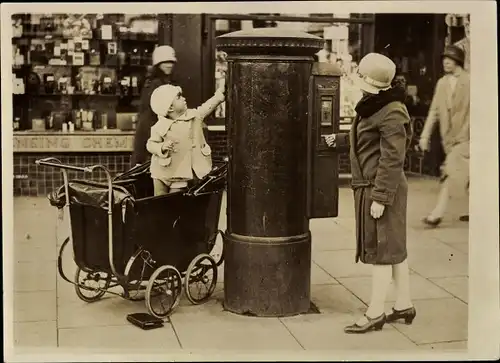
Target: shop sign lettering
x,y
72,143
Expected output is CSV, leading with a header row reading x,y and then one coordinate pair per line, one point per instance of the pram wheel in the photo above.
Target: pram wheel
x,y
137,271
164,291
91,286
201,278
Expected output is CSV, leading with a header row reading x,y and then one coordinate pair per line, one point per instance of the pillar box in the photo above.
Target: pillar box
x,y
267,245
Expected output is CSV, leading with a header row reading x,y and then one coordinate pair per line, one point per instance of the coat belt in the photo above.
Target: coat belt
x,y
357,184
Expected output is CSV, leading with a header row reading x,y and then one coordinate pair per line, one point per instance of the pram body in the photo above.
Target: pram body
x,y
124,236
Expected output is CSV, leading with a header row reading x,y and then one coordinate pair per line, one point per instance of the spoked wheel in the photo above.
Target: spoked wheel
x,y
164,291
217,251
201,278
91,286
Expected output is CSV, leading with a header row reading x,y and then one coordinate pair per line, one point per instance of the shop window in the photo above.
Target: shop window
x,y
80,71
343,46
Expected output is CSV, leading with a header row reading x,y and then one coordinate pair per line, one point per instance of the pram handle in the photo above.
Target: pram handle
x,y
56,163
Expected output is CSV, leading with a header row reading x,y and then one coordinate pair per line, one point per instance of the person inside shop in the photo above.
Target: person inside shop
x,y
378,141
164,60
450,107
180,152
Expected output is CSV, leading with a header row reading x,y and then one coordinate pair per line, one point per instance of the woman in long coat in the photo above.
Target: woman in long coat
x,y
379,138
164,60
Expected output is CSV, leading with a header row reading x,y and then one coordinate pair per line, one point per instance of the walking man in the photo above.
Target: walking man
x,y
450,108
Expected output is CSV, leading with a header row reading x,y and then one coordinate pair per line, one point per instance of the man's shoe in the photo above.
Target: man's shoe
x,y
432,222
464,218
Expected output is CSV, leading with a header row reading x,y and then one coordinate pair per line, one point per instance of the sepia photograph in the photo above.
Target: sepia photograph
x,y
250,181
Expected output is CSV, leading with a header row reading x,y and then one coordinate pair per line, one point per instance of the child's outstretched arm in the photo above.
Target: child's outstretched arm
x,y
209,106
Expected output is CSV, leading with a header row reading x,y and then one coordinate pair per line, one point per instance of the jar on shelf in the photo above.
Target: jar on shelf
x,y
17,28
17,123
135,57
146,58
47,25
49,83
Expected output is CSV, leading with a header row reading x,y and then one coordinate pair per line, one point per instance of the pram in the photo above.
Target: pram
x,y
151,246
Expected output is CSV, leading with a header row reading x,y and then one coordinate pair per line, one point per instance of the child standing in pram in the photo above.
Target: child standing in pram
x,y
177,143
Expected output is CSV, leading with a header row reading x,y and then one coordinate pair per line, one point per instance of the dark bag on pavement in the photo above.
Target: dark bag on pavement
x,y
145,321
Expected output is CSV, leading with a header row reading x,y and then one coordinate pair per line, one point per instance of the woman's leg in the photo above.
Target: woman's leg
x,y
160,188
381,280
401,276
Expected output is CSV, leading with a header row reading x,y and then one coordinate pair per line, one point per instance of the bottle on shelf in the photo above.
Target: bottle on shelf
x,y
17,123
134,122
104,120
135,86
18,58
87,118
78,119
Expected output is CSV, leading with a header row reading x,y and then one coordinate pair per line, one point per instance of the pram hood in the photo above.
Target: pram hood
x,y
89,193
96,194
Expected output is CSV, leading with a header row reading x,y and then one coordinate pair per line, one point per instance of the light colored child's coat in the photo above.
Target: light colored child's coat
x,y
191,151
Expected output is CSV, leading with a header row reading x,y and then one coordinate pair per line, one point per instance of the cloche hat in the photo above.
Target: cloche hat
x,y
375,73
164,53
162,98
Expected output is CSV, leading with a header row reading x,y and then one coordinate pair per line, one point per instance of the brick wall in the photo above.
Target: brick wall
x,y
218,142
33,180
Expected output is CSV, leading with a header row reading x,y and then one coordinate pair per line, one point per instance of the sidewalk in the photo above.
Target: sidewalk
x,y
340,289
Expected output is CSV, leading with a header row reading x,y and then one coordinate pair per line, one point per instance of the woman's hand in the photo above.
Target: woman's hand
x,y
330,140
377,209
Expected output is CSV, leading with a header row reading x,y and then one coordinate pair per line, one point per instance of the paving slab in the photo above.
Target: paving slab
x,y
341,263
325,332
123,336
462,247
320,276
34,251
208,326
437,320
457,286
446,346
35,306
336,299
449,234
35,334
108,311
439,261
35,276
